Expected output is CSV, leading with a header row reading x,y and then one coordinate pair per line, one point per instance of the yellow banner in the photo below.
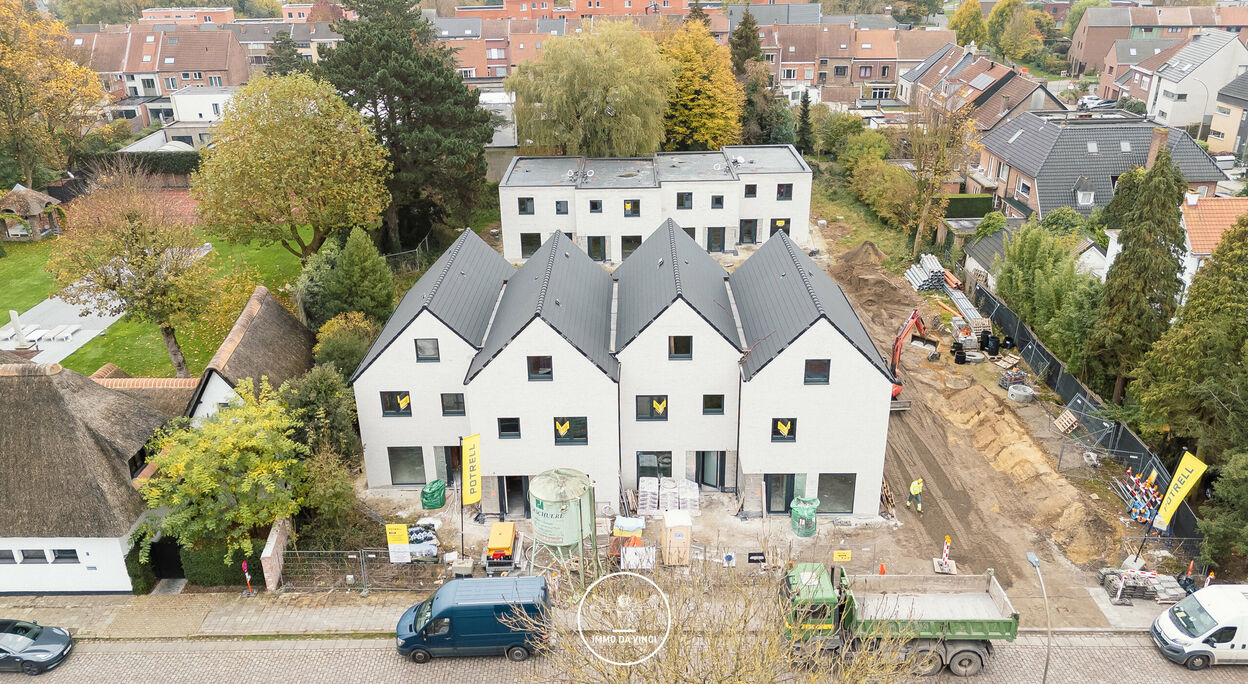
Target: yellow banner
x,y
396,534
471,458
1186,477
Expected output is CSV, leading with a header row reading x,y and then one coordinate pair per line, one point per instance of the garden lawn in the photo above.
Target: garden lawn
x,y
486,214
138,349
25,281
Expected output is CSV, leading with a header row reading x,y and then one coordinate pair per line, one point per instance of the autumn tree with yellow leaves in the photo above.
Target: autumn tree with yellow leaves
x,y
48,102
704,104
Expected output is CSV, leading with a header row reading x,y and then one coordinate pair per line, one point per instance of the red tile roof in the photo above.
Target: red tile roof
x,y
1209,219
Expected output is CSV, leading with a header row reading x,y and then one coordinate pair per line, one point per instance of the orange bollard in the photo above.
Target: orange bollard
x,y
881,568
1190,567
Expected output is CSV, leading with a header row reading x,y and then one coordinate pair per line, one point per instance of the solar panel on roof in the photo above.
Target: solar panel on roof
x,y
981,81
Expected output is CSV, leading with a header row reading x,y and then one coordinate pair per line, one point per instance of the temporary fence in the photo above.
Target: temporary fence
x,y
364,569
1116,439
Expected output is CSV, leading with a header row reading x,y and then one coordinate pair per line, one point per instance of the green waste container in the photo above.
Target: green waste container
x,y
802,515
433,495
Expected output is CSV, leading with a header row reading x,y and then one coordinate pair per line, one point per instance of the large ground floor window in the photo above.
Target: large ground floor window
x,y
407,466
836,492
654,464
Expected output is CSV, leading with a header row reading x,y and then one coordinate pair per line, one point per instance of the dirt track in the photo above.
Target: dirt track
x,y
989,484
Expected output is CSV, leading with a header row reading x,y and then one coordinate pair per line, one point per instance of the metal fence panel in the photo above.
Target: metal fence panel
x,y
322,570
381,574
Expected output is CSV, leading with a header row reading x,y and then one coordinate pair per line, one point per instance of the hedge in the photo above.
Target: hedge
x,y
142,576
177,163
968,206
206,567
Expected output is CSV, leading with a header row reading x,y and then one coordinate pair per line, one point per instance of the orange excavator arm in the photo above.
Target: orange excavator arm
x,y
913,322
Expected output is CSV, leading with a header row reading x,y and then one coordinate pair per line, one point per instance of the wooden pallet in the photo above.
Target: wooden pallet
x,y
886,499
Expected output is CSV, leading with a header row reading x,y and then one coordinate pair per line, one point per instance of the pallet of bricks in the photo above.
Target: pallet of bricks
x,y
655,495
1124,585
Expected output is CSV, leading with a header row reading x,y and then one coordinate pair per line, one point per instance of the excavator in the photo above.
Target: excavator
x,y
914,322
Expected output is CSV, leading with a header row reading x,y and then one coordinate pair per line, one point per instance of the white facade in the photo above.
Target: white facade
x,y
99,565
647,370
842,426
1179,97
201,104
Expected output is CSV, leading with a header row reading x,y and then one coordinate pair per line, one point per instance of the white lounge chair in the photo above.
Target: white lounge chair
x,y
7,333
37,335
52,334
67,333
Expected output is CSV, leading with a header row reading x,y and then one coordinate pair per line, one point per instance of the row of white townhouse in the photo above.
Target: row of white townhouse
x,y
734,196
763,383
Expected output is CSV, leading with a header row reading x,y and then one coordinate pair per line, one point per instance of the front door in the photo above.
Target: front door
x,y
513,497
715,239
167,559
710,469
451,453
749,231
779,492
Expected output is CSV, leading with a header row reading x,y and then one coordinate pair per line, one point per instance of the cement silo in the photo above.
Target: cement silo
x,y
562,507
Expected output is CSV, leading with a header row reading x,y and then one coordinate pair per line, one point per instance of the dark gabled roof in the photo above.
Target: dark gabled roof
x,y
780,293
922,67
668,266
460,289
561,285
1143,47
1057,155
767,15
64,446
1236,89
987,249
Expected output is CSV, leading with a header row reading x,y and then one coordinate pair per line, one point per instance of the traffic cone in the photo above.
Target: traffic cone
x,y
1190,567
881,568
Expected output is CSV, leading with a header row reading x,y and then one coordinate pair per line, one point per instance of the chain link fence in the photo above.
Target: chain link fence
x,y
369,569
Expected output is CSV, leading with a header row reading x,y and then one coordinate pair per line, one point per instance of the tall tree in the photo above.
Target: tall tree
x,y
999,17
1142,286
968,23
805,129
837,129
391,67
1188,380
761,113
125,252
1224,520
362,281
704,104
600,94
1019,40
75,12
939,143
47,100
696,13
292,163
284,58
744,43
1075,15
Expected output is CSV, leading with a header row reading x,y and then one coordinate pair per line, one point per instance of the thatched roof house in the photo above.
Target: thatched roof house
x,y
170,396
266,341
23,215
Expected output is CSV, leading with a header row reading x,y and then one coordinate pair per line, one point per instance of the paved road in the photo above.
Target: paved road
x,y
1094,659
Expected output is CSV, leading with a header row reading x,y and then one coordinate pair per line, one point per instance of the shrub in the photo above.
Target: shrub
x,y
862,146
330,492
344,340
206,567
142,576
968,205
353,278
993,222
324,405
177,163
887,189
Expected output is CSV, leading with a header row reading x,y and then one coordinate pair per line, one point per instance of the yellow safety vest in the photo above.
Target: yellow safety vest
x,y
916,487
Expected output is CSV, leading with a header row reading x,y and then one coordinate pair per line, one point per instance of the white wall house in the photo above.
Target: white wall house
x,y
201,103
739,195
1184,90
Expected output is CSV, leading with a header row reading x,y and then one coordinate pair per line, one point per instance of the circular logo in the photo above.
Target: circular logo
x,y
622,611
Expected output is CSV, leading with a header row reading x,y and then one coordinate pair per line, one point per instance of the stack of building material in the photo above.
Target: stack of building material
x,y
648,496
973,317
655,496
1152,586
928,274
687,495
669,495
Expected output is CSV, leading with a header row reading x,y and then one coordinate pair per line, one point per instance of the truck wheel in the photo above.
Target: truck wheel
x,y
517,654
421,656
1197,662
928,664
966,664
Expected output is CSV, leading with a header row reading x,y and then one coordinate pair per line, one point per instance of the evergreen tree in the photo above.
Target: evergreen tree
x,y
1224,520
1142,286
968,23
744,44
696,13
391,67
362,281
1126,193
805,132
784,126
284,58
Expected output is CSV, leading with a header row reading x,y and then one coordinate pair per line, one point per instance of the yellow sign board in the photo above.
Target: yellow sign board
x,y
471,452
659,406
784,427
842,556
562,427
1189,472
396,534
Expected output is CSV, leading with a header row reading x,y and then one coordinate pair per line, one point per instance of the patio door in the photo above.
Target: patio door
x,y
749,231
715,239
779,492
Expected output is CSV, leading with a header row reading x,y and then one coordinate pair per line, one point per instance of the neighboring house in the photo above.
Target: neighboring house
x,y
196,113
1228,128
740,195
1121,57
635,374
188,15
1101,26
70,450
27,214
1182,88
301,13
982,254
169,396
257,36
1092,259
1205,220
1044,161
267,341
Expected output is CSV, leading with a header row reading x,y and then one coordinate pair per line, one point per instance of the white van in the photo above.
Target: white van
x,y
1210,627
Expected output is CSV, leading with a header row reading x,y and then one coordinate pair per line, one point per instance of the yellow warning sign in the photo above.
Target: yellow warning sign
x,y
659,406
404,400
396,534
562,427
842,556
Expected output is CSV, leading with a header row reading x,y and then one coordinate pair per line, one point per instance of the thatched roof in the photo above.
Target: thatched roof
x,y
64,446
109,370
26,202
170,396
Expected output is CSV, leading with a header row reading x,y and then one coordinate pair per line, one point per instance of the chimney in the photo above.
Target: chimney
x,y
888,10
1191,198
1159,140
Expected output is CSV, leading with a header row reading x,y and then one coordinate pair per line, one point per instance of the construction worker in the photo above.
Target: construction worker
x,y
916,491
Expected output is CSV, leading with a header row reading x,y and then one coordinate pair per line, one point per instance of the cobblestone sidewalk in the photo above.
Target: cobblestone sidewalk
x,y
190,615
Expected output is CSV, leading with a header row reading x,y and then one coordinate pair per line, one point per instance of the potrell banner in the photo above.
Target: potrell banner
x,y
1188,474
471,450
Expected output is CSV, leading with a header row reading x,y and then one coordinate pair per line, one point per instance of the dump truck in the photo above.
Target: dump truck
x,y
947,620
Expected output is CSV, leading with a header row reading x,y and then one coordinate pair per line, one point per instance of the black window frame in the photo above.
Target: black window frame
x,y
461,411
437,350
65,556
718,474
420,456
645,410
561,207
401,411
825,505
508,434
751,190
717,201
816,379
31,560
784,192
526,206
711,411
539,376
840,70
525,253
625,250
632,208
601,242
779,225
574,422
595,206
684,201
672,354
753,232
7,557
658,464
777,436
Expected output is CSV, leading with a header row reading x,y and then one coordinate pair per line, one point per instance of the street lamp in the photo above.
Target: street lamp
x,y
1048,644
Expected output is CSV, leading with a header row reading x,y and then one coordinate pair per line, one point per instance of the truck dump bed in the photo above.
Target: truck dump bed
x,y
931,606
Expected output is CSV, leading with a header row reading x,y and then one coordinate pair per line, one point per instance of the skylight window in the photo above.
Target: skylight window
x,y
1092,147
866,46
1133,51
1015,136
1124,145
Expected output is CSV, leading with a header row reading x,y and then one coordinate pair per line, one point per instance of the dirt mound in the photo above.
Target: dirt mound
x,y
865,254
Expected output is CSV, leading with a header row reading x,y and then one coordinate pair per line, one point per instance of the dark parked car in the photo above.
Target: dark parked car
x,y
32,648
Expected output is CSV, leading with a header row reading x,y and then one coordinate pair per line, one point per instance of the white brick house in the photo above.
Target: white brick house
x,y
739,195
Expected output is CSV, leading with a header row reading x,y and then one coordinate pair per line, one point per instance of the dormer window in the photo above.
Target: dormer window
x,y
151,39
1086,198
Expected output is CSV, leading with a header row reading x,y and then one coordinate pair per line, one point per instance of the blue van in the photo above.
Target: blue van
x,y
466,618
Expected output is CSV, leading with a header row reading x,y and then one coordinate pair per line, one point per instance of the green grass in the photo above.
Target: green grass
x,y
25,282
138,349
830,199
487,213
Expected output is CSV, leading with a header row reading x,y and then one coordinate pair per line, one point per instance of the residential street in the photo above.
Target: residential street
x,y
1100,658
